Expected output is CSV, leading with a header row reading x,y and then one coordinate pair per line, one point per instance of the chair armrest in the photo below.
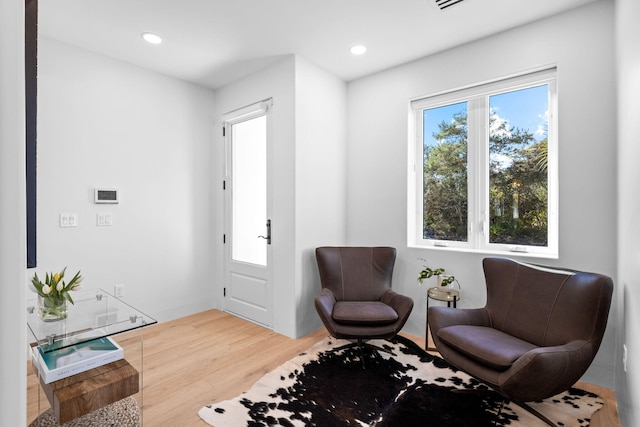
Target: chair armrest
x,y
546,371
324,303
402,304
441,317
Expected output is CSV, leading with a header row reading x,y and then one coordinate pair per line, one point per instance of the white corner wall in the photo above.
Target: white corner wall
x,y
308,166
320,162
581,44
628,62
13,316
276,81
106,123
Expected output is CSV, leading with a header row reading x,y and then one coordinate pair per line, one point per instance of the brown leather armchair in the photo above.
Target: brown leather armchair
x,y
536,336
357,301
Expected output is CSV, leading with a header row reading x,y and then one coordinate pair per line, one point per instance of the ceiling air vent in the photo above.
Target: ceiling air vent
x,y
444,4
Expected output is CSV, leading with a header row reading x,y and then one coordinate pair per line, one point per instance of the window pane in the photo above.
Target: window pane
x,y
445,172
518,196
249,204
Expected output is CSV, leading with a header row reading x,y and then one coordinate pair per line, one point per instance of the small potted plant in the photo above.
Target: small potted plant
x,y
444,280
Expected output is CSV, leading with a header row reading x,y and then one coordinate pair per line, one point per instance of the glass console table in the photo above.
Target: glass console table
x,y
95,314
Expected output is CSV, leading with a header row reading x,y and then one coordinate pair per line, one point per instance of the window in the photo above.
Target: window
x,y
483,167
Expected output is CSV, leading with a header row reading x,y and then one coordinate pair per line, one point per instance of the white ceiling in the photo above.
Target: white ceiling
x,y
214,42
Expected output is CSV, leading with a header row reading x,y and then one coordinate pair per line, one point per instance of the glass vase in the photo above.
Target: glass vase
x,y
446,288
52,309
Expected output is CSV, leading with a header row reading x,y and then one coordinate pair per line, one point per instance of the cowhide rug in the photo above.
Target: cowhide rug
x,y
327,388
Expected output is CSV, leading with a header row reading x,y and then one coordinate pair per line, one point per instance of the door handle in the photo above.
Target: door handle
x,y
268,236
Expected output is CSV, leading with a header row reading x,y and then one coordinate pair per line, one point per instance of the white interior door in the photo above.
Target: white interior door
x,y
247,206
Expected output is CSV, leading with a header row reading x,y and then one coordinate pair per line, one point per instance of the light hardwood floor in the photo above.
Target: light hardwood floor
x,y
212,356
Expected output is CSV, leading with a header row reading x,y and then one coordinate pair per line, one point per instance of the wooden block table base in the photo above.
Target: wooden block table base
x,y
88,391
123,413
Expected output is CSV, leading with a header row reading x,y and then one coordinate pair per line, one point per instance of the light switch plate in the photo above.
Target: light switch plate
x,y
104,219
68,220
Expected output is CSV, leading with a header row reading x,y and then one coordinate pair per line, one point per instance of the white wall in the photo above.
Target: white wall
x,y
276,81
320,161
628,41
107,123
580,43
13,316
308,117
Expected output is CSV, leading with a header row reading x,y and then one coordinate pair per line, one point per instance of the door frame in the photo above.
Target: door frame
x,y
230,266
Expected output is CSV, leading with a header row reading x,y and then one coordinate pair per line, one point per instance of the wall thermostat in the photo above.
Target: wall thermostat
x,y
106,195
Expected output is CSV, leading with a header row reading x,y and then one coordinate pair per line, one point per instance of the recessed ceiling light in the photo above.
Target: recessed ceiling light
x,y
152,38
358,50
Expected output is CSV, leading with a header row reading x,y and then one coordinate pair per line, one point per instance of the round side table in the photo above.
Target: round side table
x,y
439,293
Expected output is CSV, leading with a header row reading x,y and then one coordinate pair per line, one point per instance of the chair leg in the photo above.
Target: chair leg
x,y
534,412
358,344
505,401
495,422
361,343
348,345
375,347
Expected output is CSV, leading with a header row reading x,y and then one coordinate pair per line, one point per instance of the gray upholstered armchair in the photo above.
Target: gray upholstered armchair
x,y
357,301
536,336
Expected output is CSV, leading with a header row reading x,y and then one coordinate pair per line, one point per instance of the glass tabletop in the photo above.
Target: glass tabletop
x,y
443,294
95,314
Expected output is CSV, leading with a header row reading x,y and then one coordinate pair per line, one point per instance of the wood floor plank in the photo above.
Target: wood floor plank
x,y
212,356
